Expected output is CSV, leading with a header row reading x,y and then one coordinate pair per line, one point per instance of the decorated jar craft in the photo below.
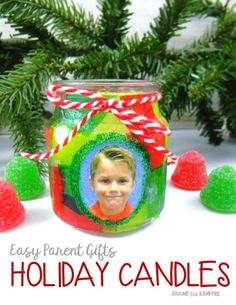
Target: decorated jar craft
x,y
107,154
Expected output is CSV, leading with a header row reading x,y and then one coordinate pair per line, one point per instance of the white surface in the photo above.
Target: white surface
x,y
185,232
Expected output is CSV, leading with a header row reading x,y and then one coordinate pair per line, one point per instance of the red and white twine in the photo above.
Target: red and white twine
x,y
138,125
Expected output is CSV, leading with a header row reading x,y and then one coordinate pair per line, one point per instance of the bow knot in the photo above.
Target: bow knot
x,y
138,125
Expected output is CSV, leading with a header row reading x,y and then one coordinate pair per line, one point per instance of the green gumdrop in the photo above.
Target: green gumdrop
x,y
24,175
220,192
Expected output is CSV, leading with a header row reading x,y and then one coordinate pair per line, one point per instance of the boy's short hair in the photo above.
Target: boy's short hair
x,y
116,154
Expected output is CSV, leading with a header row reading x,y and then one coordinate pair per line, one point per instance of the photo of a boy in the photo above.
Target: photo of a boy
x,y
112,178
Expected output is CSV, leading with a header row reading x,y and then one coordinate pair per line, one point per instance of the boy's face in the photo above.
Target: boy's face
x,y
113,183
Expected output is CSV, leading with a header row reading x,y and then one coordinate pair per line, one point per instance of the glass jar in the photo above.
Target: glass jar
x,y
108,178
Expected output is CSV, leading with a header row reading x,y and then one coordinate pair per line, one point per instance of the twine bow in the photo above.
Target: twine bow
x,y
138,125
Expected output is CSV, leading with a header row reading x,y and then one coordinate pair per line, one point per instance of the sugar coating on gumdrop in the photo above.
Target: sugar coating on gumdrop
x,y
190,172
12,212
220,192
25,177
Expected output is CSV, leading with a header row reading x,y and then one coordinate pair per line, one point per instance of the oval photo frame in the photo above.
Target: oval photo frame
x,y
80,173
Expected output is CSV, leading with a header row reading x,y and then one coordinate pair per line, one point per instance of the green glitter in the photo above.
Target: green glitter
x,y
76,168
220,192
24,175
155,193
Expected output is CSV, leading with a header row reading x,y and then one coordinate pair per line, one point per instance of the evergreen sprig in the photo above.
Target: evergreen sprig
x,y
19,87
21,107
227,106
172,18
66,22
210,121
113,21
177,76
213,9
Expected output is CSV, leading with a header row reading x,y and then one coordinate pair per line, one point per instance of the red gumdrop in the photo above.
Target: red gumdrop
x,y
12,212
190,172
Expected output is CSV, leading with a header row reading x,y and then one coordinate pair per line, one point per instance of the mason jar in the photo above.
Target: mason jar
x,y
109,176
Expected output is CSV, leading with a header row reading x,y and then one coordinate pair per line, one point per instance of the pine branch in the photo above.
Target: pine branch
x,y
12,52
27,132
97,64
25,22
113,21
136,59
209,76
22,82
210,121
16,45
20,93
226,30
124,62
176,78
228,92
67,23
222,33
148,63
21,103
8,59
213,8
214,71
171,19
228,105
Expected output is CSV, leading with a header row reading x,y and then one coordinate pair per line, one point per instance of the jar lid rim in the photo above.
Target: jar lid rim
x,y
106,82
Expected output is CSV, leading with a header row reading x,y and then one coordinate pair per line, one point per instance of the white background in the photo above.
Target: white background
x,y
186,232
